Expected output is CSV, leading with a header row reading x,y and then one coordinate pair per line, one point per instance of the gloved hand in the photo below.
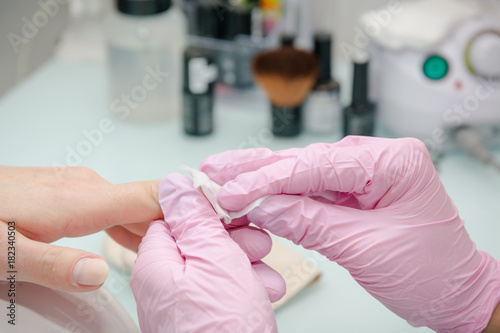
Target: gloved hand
x,y
191,276
378,208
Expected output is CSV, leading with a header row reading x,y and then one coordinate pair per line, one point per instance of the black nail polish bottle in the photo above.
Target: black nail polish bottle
x,y
359,117
200,74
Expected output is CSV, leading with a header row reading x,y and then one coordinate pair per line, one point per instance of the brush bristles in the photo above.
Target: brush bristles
x,y
286,74
287,62
285,92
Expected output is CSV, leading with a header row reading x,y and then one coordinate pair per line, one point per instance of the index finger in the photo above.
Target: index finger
x,y
227,165
367,171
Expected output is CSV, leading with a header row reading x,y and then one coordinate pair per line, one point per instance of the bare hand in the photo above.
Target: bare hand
x,y
47,204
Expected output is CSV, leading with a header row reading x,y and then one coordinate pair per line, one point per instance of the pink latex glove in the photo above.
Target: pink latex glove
x,y
191,276
378,208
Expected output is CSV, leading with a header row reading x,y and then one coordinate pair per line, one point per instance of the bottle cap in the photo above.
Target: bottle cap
x,y
208,21
237,21
360,83
143,7
323,51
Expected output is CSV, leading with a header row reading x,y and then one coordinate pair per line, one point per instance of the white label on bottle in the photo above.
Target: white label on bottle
x,y
201,74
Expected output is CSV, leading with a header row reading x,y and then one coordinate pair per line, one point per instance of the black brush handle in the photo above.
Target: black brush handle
x,y
286,121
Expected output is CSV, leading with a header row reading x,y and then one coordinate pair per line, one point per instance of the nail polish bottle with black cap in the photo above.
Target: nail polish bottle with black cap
x,y
234,64
359,117
145,43
322,110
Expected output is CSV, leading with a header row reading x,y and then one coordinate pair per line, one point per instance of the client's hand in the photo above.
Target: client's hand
x,y
45,204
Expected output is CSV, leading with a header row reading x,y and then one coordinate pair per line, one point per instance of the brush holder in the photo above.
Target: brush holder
x,y
286,120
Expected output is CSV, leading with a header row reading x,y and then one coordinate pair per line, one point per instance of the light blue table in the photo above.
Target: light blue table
x,y
47,113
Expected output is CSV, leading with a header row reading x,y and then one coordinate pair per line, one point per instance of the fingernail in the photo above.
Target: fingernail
x,y
90,272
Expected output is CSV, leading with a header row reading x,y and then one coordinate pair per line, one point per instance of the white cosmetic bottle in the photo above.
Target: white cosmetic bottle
x,y
145,41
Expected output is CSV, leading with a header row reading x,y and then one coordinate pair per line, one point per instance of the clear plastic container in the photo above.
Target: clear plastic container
x,y
145,63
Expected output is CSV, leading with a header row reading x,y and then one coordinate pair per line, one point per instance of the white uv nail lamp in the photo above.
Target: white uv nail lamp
x,y
34,308
435,67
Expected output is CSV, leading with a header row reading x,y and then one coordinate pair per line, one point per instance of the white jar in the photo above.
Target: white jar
x,y
145,42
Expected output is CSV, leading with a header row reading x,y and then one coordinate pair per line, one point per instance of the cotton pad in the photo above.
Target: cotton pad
x,y
209,188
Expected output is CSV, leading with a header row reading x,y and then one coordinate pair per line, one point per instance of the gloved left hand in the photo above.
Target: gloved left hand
x,y
191,275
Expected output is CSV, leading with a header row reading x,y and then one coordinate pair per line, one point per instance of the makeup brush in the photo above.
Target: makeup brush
x,y
287,75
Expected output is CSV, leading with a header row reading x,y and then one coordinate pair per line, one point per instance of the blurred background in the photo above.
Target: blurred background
x,y
90,42
135,88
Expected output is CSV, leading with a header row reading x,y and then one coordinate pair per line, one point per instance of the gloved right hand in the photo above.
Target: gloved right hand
x,y
378,208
